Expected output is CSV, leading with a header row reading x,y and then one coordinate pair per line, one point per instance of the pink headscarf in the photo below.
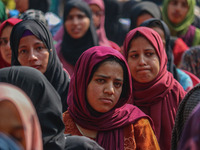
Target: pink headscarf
x,y
159,98
12,22
110,124
103,41
27,113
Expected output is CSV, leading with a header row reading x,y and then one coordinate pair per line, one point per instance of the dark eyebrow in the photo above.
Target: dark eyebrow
x,y
103,76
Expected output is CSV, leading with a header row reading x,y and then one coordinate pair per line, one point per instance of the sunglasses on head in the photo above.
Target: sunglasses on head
x,y
4,41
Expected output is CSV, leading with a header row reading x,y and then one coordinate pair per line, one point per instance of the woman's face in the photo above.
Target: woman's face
x,y
77,23
177,10
5,49
105,87
96,15
10,122
143,60
33,53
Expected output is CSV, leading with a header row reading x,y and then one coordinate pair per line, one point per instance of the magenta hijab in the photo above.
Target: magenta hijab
x,y
12,22
159,98
110,124
103,41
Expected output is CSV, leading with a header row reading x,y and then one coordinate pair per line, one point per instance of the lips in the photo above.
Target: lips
x,y
36,66
106,100
142,69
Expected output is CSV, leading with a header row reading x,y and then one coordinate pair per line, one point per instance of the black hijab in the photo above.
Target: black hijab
x,y
72,48
42,5
162,25
144,7
45,100
54,73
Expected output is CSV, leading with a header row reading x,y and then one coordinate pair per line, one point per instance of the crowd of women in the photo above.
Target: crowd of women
x,y
67,83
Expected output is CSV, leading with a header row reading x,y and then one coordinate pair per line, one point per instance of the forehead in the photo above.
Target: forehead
x,y
109,64
75,11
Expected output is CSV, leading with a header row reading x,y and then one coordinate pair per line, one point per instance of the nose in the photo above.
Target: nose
x,y
75,20
142,60
32,56
109,89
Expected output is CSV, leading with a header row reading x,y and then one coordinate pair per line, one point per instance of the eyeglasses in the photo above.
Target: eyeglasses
x,y
4,41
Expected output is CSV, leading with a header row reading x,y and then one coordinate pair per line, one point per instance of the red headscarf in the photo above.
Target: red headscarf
x,y
12,22
159,98
110,124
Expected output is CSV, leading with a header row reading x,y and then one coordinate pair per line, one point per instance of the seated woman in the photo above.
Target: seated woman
x,y
79,33
162,29
98,95
5,50
18,117
32,45
155,91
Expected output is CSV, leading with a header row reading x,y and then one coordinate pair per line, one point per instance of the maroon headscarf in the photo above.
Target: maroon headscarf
x,y
12,22
159,98
110,124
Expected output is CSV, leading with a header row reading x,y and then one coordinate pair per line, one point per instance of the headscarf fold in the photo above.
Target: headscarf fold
x,y
28,116
160,97
54,73
182,27
72,48
144,6
12,22
45,100
110,124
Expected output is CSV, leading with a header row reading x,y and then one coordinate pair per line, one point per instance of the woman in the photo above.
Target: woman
x,y
155,91
162,29
98,108
79,33
18,117
179,15
98,14
5,50
142,11
32,45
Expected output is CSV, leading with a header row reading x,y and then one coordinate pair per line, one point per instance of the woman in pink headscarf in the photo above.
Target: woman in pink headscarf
x,y
155,91
18,118
5,50
98,12
98,95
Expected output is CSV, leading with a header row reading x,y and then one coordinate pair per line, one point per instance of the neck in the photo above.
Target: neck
x,y
87,132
